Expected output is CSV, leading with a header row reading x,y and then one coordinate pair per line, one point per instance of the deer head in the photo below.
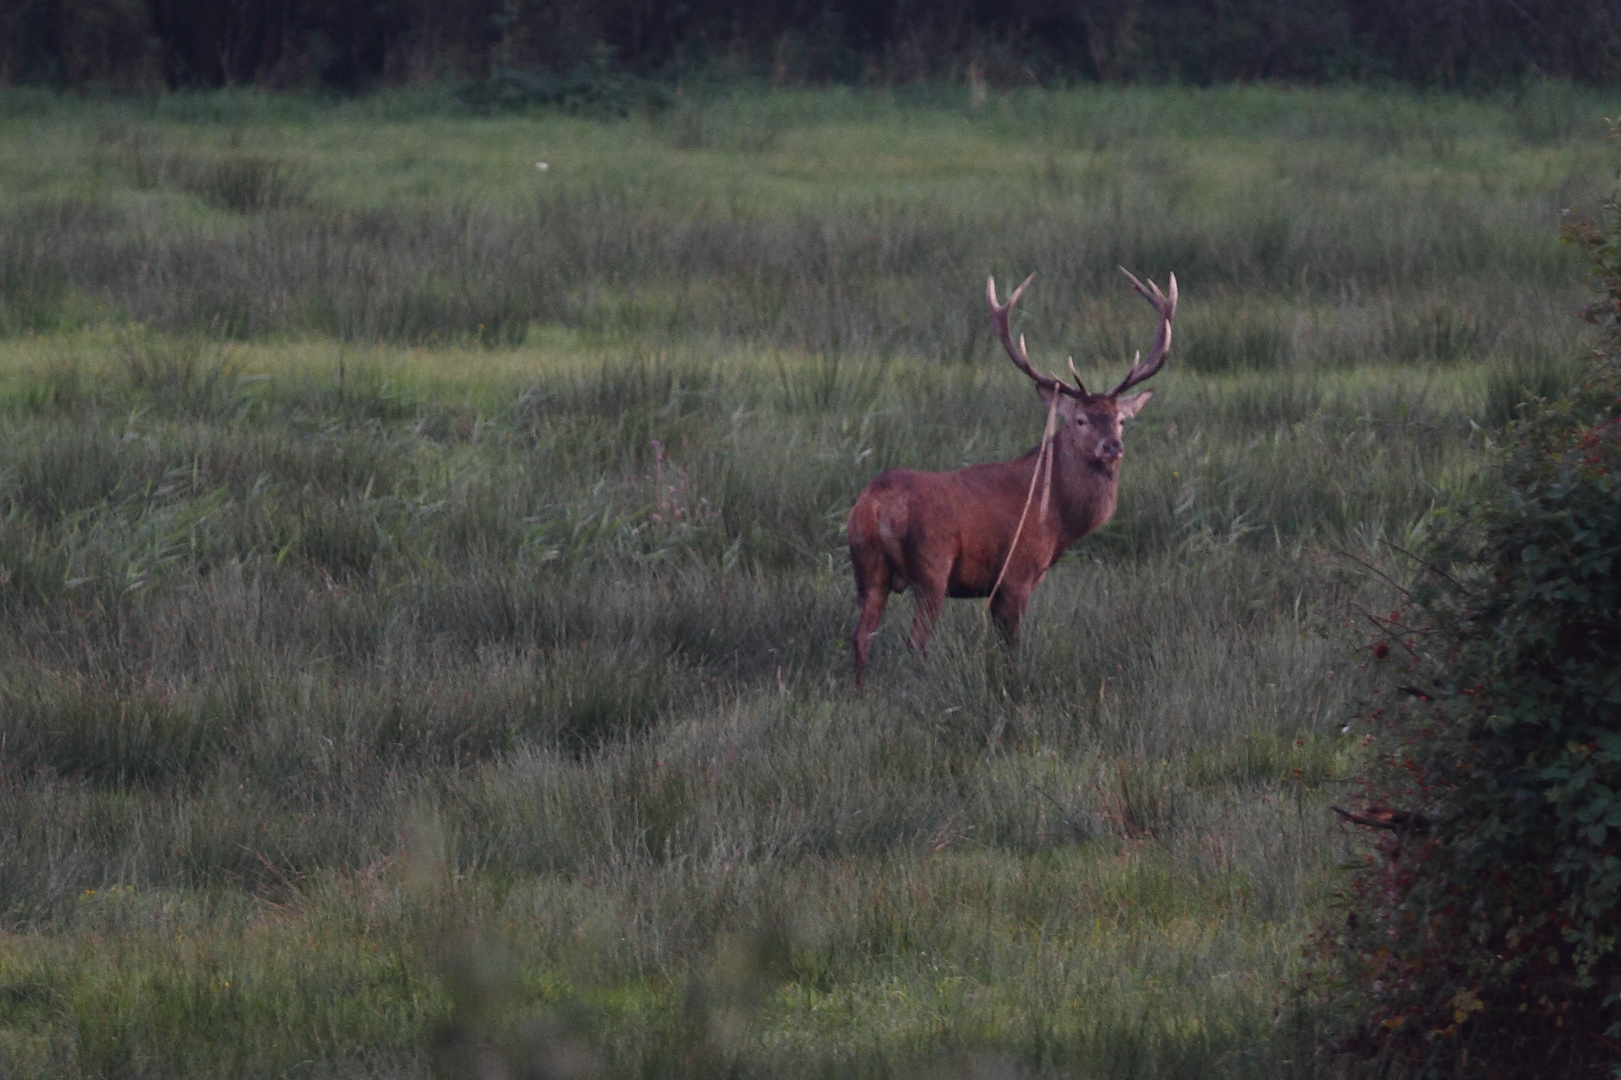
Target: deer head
x,y
1089,425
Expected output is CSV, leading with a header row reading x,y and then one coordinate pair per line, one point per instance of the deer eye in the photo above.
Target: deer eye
x,y
1081,420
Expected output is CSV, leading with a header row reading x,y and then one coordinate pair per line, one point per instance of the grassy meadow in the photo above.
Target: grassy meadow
x,y
423,595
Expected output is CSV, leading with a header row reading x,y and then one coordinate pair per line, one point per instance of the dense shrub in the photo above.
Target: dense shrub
x,y
1481,937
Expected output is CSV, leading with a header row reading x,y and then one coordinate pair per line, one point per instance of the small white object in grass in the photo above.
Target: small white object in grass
x,y
542,166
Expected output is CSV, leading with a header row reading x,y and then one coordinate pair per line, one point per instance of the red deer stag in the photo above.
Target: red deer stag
x,y
981,531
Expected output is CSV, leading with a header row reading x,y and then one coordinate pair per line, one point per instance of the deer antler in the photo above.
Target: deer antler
x,y
1166,306
1021,358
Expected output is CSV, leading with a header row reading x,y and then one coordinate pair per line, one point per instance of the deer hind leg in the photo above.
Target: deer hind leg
x,y
930,597
925,613
872,593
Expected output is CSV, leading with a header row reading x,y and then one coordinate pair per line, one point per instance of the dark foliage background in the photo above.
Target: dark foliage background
x,y
537,45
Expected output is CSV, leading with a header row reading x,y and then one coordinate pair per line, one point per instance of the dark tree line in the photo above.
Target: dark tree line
x,y
356,44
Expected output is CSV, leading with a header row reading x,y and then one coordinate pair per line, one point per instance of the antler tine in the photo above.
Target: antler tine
x,y
1166,306
1076,375
1017,353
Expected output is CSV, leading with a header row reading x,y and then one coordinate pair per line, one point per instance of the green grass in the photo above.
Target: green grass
x,y
423,602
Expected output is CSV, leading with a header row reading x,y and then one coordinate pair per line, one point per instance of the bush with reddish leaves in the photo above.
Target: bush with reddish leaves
x,y
1481,935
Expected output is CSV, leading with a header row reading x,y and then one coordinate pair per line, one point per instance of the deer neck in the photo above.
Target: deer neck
x,y
1083,494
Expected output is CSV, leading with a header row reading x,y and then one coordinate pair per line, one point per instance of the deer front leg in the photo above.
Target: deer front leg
x,y
1007,608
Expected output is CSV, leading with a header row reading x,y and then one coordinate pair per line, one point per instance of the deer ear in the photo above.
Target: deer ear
x,y
1045,393
1132,404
